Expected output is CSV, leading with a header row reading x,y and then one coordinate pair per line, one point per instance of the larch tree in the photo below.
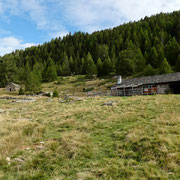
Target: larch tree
x,y
91,67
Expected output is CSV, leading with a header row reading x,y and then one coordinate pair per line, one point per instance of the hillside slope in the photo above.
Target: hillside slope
x,y
149,46
135,138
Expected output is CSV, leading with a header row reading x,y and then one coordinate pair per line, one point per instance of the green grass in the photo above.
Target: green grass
x,y
137,138
74,85
4,92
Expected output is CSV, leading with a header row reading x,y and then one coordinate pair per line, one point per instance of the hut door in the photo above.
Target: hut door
x,y
175,88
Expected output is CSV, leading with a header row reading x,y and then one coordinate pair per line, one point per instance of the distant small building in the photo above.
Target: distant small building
x,y
159,84
12,87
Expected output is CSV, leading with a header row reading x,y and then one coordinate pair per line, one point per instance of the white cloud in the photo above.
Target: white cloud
x,y
136,9
35,9
57,17
108,13
38,11
9,44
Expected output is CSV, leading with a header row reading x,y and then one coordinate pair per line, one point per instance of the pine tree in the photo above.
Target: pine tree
x,y
135,39
59,69
8,70
153,59
38,70
99,67
139,60
149,70
91,67
65,66
27,71
165,68
83,66
147,45
132,59
32,83
172,50
160,54
72,64
102,52
107,66
50,73
126,67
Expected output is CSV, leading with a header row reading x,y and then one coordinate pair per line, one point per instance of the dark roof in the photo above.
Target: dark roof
x,y
15,85
166,78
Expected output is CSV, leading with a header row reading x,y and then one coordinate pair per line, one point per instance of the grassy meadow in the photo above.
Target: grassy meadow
x,y
74,85
135,138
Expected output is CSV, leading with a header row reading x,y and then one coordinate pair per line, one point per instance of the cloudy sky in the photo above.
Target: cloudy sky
x,y
30,22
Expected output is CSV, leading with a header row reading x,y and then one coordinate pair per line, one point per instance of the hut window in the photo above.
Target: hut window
x,y
148,86
145,89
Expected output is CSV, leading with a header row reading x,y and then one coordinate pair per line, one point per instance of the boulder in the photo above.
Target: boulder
x,y
109,103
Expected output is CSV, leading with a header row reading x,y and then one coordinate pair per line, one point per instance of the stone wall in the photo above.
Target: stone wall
x,y
163,88
10,87
127,91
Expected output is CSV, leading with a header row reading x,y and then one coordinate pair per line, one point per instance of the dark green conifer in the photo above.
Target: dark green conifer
x,y
149,70
165,67
91,67
50,73
32,83
65,66
99,67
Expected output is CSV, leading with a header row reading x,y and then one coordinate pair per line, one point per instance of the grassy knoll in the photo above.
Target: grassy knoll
x,y
136,138
75,84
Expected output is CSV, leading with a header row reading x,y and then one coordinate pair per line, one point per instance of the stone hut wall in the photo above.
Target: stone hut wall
x,y
11,87
163,88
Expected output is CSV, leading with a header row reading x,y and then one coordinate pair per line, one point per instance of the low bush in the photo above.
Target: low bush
x,y
21,91
88,89
55,93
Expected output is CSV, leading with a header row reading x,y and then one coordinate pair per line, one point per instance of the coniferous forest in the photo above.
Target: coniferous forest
x,y
147,47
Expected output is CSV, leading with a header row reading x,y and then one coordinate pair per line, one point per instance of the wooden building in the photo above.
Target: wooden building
x,y
12,87
159,84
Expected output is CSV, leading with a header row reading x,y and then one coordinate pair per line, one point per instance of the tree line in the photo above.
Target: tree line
x,y
147,47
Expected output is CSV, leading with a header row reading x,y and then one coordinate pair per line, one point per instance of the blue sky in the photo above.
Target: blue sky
x,y
30,22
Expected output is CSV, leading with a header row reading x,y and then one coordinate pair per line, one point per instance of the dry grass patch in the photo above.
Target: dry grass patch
x,y
76,144
136,137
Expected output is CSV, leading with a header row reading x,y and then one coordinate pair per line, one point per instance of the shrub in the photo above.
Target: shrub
x,y
88,89
59,82
21,91
55,93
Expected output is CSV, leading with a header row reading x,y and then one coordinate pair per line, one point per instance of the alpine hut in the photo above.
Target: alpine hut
x,y
12,87
159,84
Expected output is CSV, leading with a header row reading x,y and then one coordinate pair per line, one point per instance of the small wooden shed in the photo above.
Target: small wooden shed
x,y
159,84
12,87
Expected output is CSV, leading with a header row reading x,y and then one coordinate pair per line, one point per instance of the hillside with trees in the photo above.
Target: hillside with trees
x,y
147,47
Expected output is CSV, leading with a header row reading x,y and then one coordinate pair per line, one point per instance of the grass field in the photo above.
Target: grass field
x,y
136,138
74,85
